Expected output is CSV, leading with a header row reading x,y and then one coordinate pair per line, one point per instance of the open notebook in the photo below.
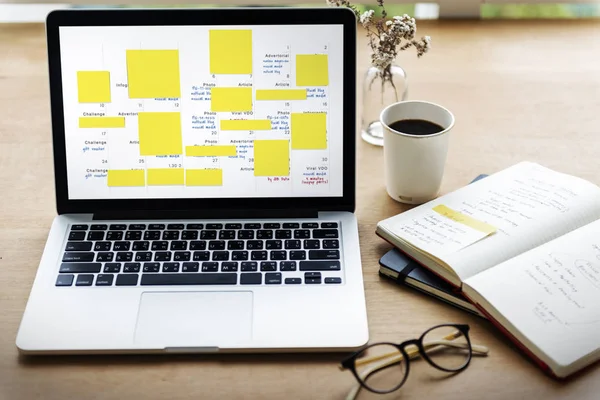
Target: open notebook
x,y
524,246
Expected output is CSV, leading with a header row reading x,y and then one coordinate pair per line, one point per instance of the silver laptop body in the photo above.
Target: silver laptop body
x,y
205,190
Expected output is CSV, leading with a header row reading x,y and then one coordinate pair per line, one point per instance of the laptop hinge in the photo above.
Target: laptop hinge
x,y
206,214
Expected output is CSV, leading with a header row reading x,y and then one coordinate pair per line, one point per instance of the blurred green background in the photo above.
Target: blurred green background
x,y
540,11
514,11
511,11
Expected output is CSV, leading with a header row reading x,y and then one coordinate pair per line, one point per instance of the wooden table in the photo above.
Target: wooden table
x,y
519,90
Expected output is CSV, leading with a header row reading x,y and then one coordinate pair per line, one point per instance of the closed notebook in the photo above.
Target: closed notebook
x,y
523,245
402,270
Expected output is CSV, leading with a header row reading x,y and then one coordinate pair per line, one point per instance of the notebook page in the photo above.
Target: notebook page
x,y
550,294
527,204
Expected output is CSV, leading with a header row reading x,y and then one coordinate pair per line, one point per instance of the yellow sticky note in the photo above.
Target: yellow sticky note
x,y
312,70
281,94
102,122
464,219
204,177
230,51
210,151
126,177
165,176
93,86
309,131
229,99
271,157
153,74
160,133
246,125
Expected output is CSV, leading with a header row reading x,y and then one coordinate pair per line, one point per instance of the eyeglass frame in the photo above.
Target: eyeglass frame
x,y
349,362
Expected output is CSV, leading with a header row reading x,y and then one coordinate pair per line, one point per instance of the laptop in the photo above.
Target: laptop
x,y
205,184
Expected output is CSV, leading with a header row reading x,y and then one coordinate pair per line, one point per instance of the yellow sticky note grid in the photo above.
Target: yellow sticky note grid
x,y
160,133
230,51
165,176
204,177
102,122
464,219
312,70
153,74
309,131
211,151
271,157
229,99
126,177
93,86
246,125
281,94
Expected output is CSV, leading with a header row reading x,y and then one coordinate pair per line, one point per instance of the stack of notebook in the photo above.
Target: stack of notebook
x,y
402,269
522,246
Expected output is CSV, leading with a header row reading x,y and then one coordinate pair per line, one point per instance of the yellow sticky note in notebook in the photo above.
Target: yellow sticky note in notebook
x,y
440,231
464,219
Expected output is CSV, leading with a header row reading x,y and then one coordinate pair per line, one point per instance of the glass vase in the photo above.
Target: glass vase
x,y
381,87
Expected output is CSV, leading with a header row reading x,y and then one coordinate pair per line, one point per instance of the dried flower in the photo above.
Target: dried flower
x,y
343,3
367,18
387,37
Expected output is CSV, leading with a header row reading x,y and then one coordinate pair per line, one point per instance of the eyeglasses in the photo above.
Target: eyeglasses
x,y
383,367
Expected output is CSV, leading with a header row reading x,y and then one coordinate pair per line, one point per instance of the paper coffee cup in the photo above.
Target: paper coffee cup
x,y
414,164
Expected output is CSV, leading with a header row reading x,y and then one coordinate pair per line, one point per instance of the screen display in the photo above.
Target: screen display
x,y
203,111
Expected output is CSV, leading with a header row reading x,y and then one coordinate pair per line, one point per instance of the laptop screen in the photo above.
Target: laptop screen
x,y
167,112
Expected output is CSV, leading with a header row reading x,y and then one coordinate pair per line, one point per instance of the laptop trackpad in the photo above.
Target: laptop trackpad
x,y
194,319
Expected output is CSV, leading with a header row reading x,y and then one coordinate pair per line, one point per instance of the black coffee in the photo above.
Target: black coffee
x,y
416,127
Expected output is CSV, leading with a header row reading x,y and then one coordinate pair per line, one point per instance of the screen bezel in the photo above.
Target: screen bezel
x,y
221,16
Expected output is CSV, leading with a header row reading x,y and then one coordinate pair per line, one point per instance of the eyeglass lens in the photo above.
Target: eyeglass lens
x,y
447,348
381,367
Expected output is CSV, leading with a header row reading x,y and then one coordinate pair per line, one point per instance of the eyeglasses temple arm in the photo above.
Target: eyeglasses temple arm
x,y
363,361
478,349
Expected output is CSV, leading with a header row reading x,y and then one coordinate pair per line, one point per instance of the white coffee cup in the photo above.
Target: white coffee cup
x,y
414,164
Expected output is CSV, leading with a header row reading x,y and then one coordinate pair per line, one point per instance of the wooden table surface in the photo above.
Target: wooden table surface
x,y
519,91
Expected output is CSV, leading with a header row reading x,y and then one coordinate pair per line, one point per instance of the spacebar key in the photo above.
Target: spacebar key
x,y
189,279
319,265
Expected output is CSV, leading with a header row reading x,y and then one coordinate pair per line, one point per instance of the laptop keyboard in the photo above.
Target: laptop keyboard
x,y
253,253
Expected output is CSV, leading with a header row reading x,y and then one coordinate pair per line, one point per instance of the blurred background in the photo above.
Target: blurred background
x,y
24,11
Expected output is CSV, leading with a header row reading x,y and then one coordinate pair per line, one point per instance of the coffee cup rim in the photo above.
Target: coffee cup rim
x,y
417,136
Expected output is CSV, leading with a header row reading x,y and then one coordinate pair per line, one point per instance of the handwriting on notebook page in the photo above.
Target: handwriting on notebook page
x,y
517,202
441,230
571,287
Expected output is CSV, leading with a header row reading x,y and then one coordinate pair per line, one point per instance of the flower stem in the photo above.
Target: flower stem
x,y
385,75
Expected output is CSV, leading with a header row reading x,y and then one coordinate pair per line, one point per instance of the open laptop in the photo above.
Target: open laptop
x,y
205,184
